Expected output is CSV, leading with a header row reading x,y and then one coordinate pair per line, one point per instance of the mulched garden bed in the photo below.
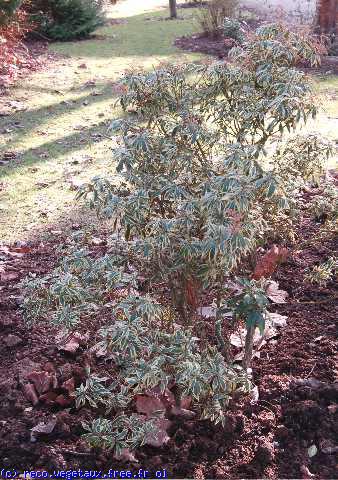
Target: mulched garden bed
x,y
219,46
268,436
216,46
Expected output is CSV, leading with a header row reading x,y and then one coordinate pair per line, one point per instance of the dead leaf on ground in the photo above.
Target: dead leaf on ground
x,y
306,472
159,437
267,264
328,447
8,276
277,320
30,393
149,405
207,312
126,455
182,412
42,428
275,294
69,385
41,380
71,346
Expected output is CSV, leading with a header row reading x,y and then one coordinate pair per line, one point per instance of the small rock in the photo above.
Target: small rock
x,y
312,451
12,341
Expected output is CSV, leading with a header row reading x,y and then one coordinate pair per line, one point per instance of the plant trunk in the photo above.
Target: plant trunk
x,y
248,347
327,11
173,8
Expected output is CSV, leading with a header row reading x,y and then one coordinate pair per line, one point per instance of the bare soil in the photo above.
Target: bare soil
x,y
266,437
219,46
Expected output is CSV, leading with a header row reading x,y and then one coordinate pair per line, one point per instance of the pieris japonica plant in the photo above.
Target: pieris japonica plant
x,y
202,185
203,182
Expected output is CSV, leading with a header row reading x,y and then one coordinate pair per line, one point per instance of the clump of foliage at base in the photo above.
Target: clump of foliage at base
x,y
212,15
232,28
202,190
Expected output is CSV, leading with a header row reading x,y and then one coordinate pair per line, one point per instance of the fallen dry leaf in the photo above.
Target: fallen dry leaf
x,y
42,428
63,401
160,437
30,393
182,412
328,447
275,294
41,380
71,346
8,276
48,398
277,320
149,405
306,472
69,385
126,456
267,264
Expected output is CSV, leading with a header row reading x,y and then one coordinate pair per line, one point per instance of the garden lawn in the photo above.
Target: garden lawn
x,y
54,122
55,136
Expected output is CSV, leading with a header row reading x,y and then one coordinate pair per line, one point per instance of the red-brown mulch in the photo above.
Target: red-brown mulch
x,y
266,438
219,47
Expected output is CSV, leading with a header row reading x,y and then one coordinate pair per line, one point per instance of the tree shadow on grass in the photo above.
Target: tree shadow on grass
x,y
42,116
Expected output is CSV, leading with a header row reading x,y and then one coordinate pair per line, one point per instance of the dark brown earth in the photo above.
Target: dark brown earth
x,y
268,437
219,47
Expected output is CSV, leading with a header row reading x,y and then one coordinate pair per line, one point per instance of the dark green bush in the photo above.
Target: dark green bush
x,y
65,20
7,10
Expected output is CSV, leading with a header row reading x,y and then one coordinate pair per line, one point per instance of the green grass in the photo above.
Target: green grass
x,y
62,133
